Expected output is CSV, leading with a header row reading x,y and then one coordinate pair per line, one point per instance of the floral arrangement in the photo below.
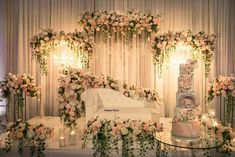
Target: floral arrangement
x,y
223,86
75,81
27,135
201,44
187,115
105,135
109,23
18,85
48,40
221,131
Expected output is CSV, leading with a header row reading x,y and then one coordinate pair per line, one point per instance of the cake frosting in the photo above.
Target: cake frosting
x,y
185,122
187,129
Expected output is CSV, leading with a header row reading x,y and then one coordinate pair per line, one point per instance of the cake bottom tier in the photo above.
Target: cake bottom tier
x,y
186,129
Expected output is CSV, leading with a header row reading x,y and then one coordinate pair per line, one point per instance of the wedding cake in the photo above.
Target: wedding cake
x,y
185,122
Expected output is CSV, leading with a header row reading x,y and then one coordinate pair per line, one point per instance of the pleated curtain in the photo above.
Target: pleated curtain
x,y
20,20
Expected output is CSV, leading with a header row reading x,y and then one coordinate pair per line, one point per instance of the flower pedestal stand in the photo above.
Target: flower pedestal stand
x,y
19,106
229,102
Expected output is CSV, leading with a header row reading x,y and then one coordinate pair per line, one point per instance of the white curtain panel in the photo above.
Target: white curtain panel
x,y
21,19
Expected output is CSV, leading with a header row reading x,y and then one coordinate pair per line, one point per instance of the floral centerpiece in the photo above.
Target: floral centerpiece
x,y
26,134
75,81
113,22
19,86
223,86
201,44
221,132
105,135
48,40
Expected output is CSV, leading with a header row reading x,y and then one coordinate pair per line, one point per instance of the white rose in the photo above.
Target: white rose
x,y
124,131
73,108
46,38
98,29
136,131
132,93
16,86
149,18
72,113
45,33
71,92
12,84
66,94
67,105
42,137
30,134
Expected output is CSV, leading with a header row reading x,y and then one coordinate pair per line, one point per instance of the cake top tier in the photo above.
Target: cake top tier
x,y
185,80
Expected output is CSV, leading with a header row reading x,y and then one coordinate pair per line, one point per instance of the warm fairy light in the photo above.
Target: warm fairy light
x,y
180,56
178,60
64,56
182,47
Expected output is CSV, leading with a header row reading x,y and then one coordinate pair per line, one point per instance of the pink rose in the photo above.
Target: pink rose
x,y
159,45
223,93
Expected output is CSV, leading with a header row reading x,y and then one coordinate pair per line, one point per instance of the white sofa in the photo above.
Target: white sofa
x,y
110,104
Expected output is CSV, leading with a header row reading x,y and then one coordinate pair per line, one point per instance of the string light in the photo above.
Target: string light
x,y
63,56
180,57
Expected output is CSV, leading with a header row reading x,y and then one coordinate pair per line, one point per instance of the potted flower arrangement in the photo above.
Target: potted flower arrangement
x,y
223,86
19,86
21,134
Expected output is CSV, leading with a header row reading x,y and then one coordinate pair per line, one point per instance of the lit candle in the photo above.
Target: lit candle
x,y
72,137
62,141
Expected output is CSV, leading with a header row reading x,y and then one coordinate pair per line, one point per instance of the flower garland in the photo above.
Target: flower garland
x,y
201,44
75,81
27,135
105,135
109,23
48,40
18,85
223,86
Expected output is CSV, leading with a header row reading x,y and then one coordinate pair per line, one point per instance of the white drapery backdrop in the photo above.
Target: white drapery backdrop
x,y
21,19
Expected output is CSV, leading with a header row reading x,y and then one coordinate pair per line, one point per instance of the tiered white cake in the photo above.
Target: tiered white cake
x,y
185,122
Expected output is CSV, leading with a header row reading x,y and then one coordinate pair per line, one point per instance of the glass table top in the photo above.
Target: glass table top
x,y
194,143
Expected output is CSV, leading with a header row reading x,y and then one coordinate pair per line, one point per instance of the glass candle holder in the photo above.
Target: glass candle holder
x,y
61,137
72,136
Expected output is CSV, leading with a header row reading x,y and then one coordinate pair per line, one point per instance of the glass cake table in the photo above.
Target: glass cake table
x,y
167,142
